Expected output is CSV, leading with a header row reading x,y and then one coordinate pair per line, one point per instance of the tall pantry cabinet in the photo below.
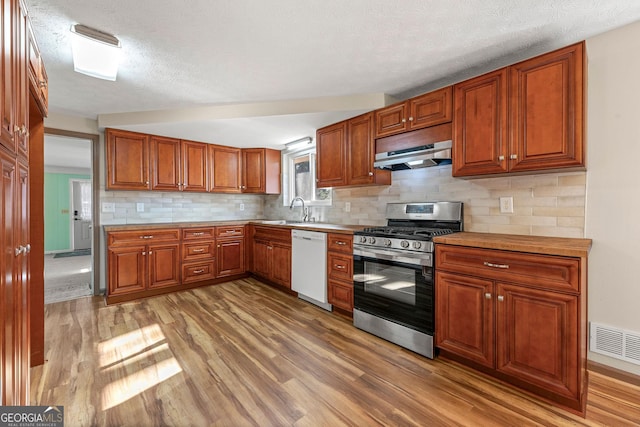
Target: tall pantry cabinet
x,y
17,136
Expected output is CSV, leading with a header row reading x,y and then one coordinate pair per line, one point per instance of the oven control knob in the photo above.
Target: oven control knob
x,y
363,239
387,242
372,240
417,245
404,244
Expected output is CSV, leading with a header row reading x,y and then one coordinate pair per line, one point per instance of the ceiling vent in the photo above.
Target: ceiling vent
x,y
614,342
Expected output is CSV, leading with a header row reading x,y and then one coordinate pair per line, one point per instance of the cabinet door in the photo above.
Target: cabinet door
x,y
225,166
391,120
464,317
361,150
262,258
230,257
21,284
253,170
164,265
480,125
21,82
331,155
537,338
194,166
127,270
340,294
127,160
430,109
7,78
281,264
9,306
547,111
37,73
165,163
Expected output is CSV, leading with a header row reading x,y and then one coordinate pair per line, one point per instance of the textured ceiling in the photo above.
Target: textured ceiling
x,y
183,56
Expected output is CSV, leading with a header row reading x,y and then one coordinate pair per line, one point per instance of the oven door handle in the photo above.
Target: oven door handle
x,y
390,255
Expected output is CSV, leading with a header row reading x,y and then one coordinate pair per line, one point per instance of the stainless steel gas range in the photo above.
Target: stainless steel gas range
x,y
393,272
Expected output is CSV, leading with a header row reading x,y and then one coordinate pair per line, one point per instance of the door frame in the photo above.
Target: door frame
x,y
95,188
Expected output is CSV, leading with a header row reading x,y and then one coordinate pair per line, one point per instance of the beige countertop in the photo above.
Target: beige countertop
x,y
511,242
311,226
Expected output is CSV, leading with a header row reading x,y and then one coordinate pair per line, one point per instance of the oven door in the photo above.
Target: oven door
x,y
395,286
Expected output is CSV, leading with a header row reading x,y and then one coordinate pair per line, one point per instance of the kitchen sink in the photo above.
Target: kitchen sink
x,y
282,222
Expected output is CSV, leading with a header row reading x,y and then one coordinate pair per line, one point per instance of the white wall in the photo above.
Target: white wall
x,y
613,182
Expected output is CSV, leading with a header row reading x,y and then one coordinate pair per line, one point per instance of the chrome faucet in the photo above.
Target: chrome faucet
x,y
305,210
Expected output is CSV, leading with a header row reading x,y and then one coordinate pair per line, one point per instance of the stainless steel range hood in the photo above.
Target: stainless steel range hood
x,y
415,157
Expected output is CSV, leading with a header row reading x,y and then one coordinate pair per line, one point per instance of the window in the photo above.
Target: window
x,y
299,177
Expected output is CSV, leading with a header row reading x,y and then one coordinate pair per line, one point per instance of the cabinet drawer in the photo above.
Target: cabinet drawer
x,y
120,238
340,294
198,233
230,231
273,234
340,243
340,267
196,272
194,251
541,271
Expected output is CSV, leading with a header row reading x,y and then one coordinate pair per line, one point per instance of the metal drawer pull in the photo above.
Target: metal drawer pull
x,y
230,231
198,250
146,237
199,233
337,242
202,270
500,298
339,267
488,264
487,295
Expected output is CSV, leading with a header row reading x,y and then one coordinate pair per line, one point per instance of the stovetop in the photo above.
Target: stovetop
x,y
411,233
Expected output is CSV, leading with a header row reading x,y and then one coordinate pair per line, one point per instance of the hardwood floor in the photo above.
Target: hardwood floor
x,y
242,353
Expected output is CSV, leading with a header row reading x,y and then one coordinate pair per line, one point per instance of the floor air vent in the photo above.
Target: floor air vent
x,y
614,342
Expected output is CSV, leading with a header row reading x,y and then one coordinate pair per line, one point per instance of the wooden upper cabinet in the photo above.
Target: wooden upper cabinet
x,y
21,82
261,169
525,117
547,116
225,165
165,163
426,110
39,82
194,166
7,82
480,125
361,153
127,160
331,155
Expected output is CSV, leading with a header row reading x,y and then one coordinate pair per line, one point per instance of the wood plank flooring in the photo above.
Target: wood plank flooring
x,y
244,354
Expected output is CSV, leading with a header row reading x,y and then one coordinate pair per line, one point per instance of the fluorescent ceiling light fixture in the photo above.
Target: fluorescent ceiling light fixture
x,y
298,143
95,53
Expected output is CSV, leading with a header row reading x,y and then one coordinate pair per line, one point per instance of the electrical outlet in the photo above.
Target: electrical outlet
x,y
506,204
241,206
139,207
347,207
108,207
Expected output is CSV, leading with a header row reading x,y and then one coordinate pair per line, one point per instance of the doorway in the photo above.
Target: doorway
x,y
69,215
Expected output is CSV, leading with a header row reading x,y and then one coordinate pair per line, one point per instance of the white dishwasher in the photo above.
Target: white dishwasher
x,y
309,266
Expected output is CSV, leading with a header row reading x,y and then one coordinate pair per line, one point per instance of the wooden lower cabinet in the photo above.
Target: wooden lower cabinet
x,y
271,255
340,271
143,263
503,322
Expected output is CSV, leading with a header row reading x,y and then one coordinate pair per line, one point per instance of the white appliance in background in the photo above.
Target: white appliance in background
x,y
309,266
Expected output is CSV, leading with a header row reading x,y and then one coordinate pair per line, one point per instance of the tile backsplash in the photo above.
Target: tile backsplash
x,y
551,204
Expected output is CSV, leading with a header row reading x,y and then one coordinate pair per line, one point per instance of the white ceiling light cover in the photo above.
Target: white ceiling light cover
x,y
95,54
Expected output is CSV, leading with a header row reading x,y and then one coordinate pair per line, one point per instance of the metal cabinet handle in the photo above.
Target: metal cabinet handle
x,y
500,298
198,250
150,252
513,156
339,267
488,264
18,250
487,295
370,173
42,83
410,119
199,233
404,120
199,271
338,242
144,253
230,231
501,158
146,237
